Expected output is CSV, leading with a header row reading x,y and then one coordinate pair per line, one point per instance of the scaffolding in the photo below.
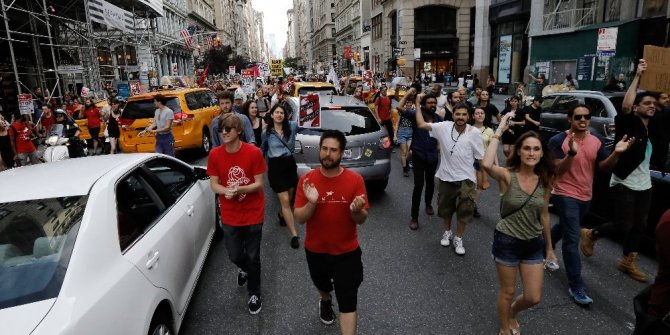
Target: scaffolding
x,y
55,45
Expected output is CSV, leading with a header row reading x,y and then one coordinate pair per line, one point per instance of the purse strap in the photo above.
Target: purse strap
x,y
282,141
524,203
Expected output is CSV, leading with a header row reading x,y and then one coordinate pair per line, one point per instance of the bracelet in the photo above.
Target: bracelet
x,y
496,136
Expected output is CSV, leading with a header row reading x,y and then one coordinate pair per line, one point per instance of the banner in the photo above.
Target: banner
x,y
276,67
25,104
504,59
657,76
310,111
264,69
157,5
248,73
136,87
111,16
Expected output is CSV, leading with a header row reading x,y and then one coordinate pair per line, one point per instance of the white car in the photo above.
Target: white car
x,y
102,245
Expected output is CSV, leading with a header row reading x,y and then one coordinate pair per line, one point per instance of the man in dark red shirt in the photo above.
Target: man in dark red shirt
x,y
92,114
383,110
332,202
20,133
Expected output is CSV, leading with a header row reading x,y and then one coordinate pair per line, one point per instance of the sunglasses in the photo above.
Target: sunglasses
x,y
578,117
226,129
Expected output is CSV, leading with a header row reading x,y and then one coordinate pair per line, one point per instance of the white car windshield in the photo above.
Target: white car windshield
x,y
36,239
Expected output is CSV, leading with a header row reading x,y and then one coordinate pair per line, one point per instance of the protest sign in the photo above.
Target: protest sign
x,y
657,76
25,104
310,111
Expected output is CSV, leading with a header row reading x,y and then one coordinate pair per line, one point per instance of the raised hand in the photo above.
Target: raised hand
x,y
311,193
571,143
641,67
358,203
504,122
624,144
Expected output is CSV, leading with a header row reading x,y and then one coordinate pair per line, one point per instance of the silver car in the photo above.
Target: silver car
x,y
368,150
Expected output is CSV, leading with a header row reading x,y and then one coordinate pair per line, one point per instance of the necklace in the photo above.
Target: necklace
x,y
454,139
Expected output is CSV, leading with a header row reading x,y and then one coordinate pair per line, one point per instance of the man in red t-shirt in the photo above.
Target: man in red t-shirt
x,y
236,174
332,201
92,114
20,133
383,110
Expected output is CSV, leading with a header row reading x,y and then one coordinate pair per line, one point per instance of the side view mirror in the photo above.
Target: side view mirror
x,y
200,173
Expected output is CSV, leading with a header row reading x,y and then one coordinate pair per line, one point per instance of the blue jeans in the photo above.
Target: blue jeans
x,y
570,212
244,250
165,144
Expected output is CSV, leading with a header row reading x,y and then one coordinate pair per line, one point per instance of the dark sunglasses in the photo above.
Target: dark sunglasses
x,y
226,129
578,117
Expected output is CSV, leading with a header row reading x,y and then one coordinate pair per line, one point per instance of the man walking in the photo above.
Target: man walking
x,y
21,132
332,201
383,110
162,126
236,174
226,105
460,145
577,153
631,179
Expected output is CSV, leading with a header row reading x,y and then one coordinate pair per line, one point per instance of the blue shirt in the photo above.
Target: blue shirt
x,y
248,130
423,145
273,146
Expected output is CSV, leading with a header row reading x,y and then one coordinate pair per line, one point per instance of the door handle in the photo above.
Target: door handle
x,y
190,209
153,259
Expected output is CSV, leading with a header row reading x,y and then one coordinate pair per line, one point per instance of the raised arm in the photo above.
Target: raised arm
x,y
497,172
420,122
629,98
403,100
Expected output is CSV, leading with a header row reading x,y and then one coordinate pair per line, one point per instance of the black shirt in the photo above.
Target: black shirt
x,y
535,115
490,111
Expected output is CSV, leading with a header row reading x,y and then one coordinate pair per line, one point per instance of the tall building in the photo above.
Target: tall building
x,y
324,50
303,33
289,49
344,34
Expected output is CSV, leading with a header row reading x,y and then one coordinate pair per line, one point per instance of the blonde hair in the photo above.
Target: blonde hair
x,y
231,120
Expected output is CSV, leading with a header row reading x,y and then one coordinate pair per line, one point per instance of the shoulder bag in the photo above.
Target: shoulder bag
x,y
522,205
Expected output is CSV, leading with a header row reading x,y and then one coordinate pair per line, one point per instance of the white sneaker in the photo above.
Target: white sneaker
x,y
446,238
458,246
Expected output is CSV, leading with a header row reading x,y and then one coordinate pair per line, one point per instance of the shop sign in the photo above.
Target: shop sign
x,y
25,104
504,59
123,89
585,68
426,66
607,41
64,69
417,53
657,76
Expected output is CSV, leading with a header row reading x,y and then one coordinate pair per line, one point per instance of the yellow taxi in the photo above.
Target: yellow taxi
x,y
194,109
308,87
83,123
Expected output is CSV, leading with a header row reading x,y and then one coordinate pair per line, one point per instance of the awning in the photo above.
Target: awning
x,y
150,8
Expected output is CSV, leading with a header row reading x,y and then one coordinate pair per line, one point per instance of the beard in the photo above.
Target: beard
x,y
330,164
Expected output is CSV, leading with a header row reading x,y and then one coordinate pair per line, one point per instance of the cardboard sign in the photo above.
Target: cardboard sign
x,y
310,111
276,67
657,76
25,104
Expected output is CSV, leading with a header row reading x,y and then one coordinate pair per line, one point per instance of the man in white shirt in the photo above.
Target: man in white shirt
x,y
460,145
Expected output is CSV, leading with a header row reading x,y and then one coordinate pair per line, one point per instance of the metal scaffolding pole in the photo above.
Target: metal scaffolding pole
x,y
11,47
94,67
53,54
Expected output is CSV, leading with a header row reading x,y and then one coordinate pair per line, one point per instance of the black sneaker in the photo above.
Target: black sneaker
x,y
326,313
295,242
282,222
255,304
476,213
405,171
241,278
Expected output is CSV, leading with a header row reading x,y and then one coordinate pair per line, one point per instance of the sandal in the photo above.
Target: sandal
x,y
515,330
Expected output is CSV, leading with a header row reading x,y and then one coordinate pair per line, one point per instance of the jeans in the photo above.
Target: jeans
x,y
165,144
423,170
244,250
631,210
570,212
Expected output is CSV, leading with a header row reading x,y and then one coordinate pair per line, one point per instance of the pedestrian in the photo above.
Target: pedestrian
x,y
518,242
71,131
46,120
532,115
278,146
113,130
659,302
236,174
621,83
403,133
162,126
474,99
6,150
483,183
332,201
515,128
226,105
490,109
425,157
262,102
460,146
382,110
250,110
577,154
540,82
571,83
631,180
453,98
93,121
21,133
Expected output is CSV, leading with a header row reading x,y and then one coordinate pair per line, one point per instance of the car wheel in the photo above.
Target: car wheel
x,y
206,141
160,326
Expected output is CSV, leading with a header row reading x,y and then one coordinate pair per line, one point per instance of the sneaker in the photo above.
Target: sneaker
x,y
458,246
241,278
429,210
413,224
410,164
580,296
282,222
405,171
476,214
295,242
255,304
326,313
446,238
551,265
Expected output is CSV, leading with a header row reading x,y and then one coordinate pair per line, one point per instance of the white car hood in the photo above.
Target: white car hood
x,y
22,320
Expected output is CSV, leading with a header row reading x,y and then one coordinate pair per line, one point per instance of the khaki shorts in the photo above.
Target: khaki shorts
x,y
456,197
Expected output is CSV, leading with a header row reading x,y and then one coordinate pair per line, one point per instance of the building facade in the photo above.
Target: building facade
x,y
323,37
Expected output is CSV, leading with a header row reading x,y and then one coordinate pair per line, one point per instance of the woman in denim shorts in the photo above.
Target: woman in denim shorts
x,y
404,129
525,185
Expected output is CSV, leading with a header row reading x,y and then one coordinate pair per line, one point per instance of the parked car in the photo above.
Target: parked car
x,y
368,150
115,248
194,109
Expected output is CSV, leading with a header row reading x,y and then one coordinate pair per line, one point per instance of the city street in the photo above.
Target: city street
x,y
412,284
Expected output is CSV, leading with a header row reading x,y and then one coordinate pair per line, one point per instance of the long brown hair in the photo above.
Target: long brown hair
x,y
545,168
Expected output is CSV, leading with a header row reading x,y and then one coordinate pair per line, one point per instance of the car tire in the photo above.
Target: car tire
x,y
160,326
206,141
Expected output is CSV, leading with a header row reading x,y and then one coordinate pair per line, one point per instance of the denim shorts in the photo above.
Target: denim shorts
x,y
404,135
511,251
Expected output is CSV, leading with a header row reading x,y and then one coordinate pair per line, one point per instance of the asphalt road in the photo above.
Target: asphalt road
x,y
412,284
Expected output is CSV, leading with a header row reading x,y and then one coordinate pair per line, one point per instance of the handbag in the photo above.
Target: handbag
x,y
522,205
645,323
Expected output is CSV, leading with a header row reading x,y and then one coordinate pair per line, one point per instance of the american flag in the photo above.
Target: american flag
x,y
210,40
186,35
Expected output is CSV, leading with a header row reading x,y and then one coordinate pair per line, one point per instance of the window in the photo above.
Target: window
x,y
350,121
175,178
597,107
377,27
564,104
137,208
193,101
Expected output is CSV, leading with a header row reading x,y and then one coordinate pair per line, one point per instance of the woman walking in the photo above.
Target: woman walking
x,y
250,110
482,177
403,132
113,130
515,126
278,146
525,185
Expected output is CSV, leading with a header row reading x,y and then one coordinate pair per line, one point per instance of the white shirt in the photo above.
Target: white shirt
x,y
457,151
441,101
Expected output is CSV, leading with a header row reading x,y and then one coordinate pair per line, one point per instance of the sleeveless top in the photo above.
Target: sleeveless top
x,y
523,224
